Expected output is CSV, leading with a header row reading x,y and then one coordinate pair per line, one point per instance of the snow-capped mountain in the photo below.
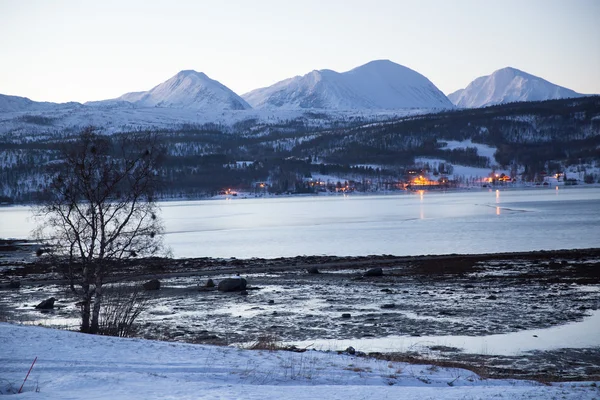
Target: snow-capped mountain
x,y
508,85
188,89
21,104
377,85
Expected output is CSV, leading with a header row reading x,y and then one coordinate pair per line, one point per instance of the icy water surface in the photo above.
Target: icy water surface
x,y
475,221
582,334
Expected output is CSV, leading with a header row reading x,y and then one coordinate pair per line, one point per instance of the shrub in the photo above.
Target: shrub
x,y
123,304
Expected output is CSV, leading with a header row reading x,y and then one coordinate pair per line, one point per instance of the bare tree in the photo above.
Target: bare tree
x,y
101,208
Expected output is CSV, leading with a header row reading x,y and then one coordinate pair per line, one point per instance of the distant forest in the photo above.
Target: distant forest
x,y
535,137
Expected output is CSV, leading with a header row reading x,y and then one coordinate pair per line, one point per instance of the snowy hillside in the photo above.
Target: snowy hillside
x,y
187,89
19,104
15,103
379,84
508,85
76,366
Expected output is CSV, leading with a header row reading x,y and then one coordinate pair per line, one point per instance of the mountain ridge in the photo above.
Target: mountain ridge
x,y
379,84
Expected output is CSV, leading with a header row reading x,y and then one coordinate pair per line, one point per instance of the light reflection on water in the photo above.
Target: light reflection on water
x,y
405,224
417,223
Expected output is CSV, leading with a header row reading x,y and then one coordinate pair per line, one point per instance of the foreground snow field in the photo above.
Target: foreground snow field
x,y
77,366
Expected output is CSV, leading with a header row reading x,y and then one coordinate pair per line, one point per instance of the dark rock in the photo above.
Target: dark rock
x,y
153,284
346,315
313,270
447,312
210,283
390,305
271,301
350,350
374,272
14,284
492,297
244,293
232,285
206,336
46,304
445,349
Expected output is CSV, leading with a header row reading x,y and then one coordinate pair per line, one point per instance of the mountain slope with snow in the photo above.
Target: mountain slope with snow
x,y
20,104
15,103
508,85
376,85
187,89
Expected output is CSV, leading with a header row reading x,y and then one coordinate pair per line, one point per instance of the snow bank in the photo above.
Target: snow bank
x,y
75,366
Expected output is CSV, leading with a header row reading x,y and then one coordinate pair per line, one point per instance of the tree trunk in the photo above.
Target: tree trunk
x,y
71,277
96,310
85,311
86,296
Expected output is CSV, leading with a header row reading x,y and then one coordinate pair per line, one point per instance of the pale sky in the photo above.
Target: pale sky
x,y
81,50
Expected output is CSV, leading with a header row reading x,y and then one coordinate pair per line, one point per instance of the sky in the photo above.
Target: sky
x,y
82,50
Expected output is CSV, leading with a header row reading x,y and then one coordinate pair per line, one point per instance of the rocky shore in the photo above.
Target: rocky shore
x,y
334,298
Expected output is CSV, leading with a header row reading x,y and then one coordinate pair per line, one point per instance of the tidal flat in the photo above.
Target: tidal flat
x,y
412,309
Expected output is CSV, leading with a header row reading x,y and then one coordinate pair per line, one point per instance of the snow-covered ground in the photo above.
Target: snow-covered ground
x,y
121,118
482,149
462,171
76,366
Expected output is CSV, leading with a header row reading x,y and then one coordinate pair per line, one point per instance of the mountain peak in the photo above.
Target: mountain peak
x,y
508,85
379,63
376,85
510,69
187,89
190,72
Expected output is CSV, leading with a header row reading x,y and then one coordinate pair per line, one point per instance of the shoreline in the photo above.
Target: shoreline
x,y
416,297
399,192
21,254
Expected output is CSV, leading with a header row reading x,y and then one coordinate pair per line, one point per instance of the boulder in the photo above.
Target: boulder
x,y
374,272
236,284
210,283
346,315
313,270
46,304
390,305
153,284
350,350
